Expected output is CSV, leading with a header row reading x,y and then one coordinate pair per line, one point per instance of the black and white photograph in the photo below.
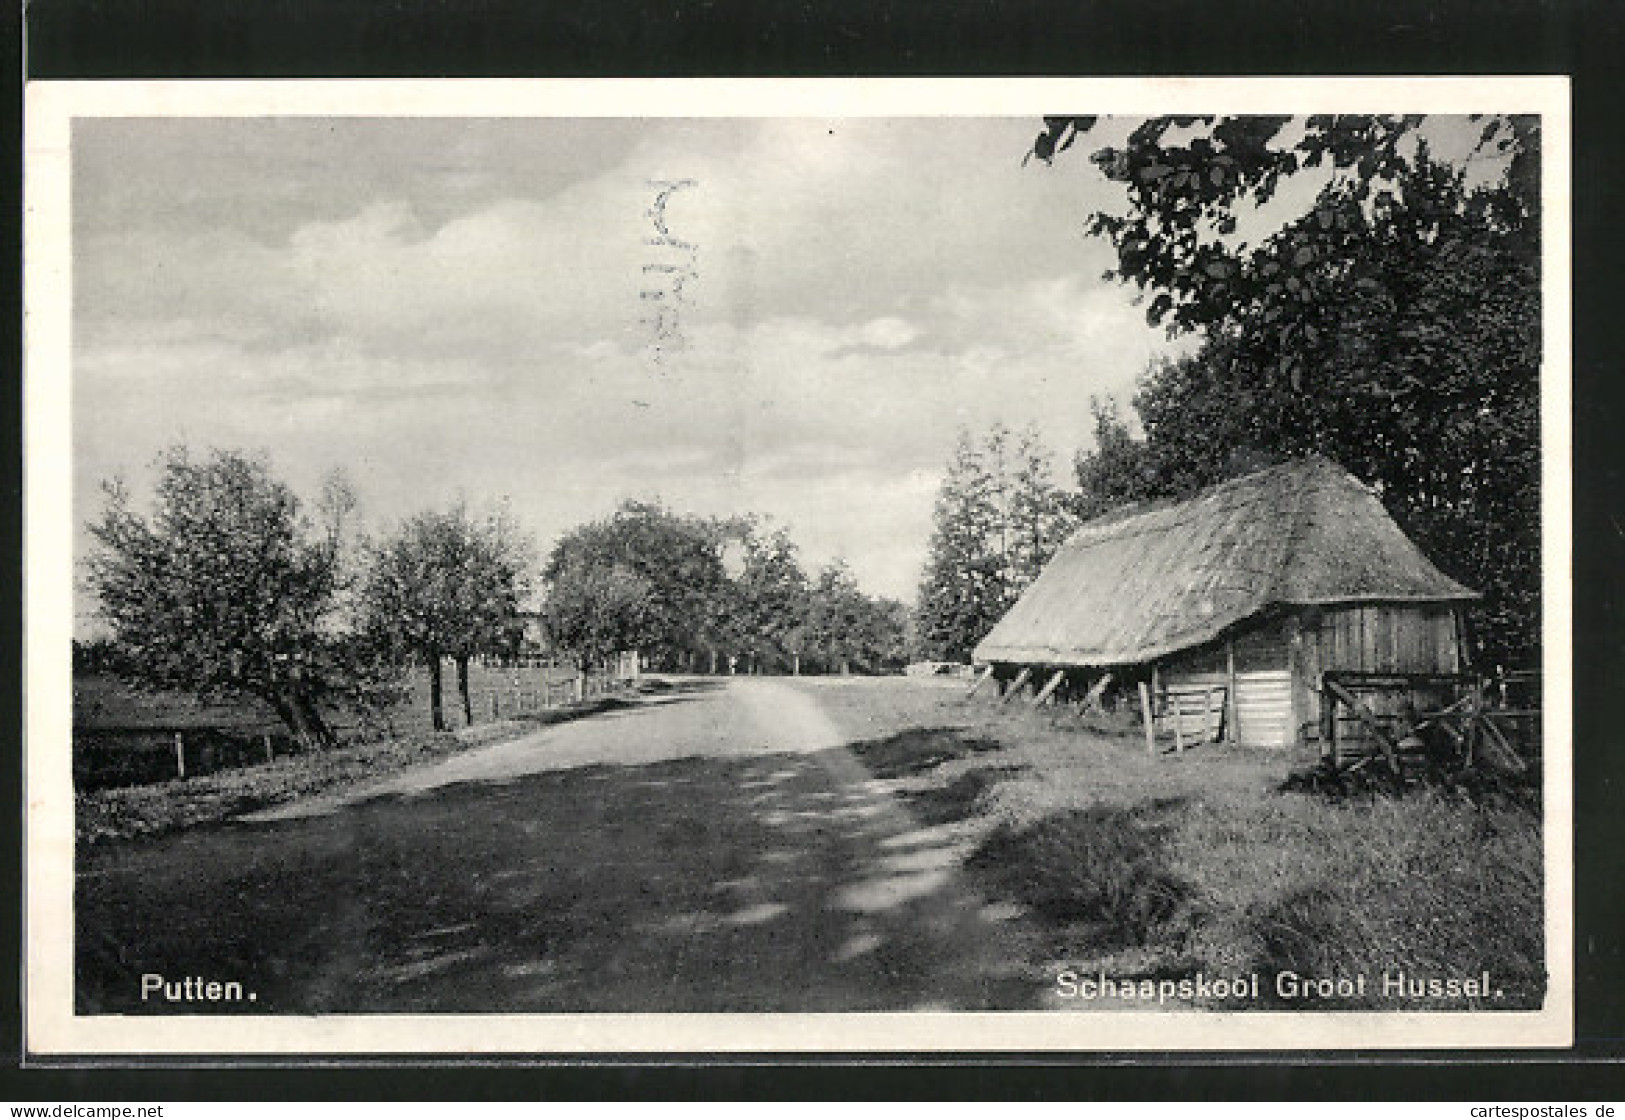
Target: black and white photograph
x,y
797,565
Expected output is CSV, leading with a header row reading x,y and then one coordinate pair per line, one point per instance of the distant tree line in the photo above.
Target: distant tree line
x,y
231,588
702,594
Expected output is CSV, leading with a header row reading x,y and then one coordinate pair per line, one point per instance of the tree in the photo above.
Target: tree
x,y
890,630
1188,180
771,598
1393,325
445,585
1118,472
597,610
1038,513
847,629
966,588
224,591
497,559
678,560
999,518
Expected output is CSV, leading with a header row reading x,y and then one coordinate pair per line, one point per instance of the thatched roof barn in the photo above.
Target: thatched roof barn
x,y
1252,587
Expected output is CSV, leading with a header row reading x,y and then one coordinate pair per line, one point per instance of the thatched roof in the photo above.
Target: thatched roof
x,y
1143,582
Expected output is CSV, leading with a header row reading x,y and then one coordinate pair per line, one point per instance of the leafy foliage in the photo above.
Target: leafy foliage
x,y
1393,326
224,591
769,599
1117,472
597,611
679,586
446,585
847,629
999,518
667,598
1187,179
1036,510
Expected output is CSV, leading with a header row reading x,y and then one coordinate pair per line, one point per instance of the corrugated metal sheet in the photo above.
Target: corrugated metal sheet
x,y
1140,584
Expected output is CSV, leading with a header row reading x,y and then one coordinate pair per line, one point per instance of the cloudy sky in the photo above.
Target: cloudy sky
x,y
453,306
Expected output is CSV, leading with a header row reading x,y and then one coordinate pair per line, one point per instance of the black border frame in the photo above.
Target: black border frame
x,y
176,39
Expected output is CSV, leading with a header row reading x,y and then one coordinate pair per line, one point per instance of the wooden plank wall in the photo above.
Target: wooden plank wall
x,y
1387,639
1390,638
1263,700
1278,663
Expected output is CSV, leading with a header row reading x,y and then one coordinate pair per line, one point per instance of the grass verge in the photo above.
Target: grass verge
x,y
112,815
1218,860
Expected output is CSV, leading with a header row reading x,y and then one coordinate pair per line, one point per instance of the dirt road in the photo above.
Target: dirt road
x,y
711,848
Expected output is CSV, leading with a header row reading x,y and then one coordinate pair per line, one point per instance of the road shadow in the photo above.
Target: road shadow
x,y
789,882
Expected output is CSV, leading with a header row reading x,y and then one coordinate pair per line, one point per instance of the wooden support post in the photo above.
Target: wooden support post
x,y
180,756
1015,685
1328,723
1328,704
1475,711
581,687
1096,691
987,675
1176,703
1054,683
1145,714
493,703
1329,750
270,757
1232,733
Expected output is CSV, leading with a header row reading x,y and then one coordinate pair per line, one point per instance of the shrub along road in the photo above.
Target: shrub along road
x,y
712,847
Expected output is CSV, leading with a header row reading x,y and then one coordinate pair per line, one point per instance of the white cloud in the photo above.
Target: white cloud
x,y
888,333
863,290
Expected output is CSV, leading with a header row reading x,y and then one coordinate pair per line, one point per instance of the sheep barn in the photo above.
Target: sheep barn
x,y
1225,609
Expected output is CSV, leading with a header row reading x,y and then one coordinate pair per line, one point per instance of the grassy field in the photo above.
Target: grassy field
x,y
124,736
156,808
1158,866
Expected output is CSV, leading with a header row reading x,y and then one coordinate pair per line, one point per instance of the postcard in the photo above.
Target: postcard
x,y
797,566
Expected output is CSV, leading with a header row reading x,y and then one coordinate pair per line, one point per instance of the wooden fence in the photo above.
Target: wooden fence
x,y
1454,719
109,755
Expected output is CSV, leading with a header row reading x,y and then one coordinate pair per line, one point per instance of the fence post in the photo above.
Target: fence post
x,y
180,756
270,757
494,712
581,687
